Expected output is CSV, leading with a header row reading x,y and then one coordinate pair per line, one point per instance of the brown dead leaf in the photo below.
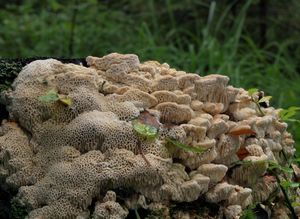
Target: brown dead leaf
x,y
168,125
268,179
241,130
148,119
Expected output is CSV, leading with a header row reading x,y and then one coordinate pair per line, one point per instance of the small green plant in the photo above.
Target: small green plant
x,y
258,100
53,96
279,172
288,115
248,213
147,127
285,185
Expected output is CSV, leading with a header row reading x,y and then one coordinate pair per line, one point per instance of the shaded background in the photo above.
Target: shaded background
x,y
255,42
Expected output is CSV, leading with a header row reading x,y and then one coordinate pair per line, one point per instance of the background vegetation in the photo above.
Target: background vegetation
x,y
255,42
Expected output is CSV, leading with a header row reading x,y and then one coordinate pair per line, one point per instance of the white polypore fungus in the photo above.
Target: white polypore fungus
x,y
219,192
174,113
215,172
240,196
248,173
109,208
59,157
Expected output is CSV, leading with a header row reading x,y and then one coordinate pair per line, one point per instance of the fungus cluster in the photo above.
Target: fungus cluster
x,y
70,160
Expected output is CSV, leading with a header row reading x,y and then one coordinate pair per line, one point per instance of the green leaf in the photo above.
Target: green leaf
x,y
65,100
287,114
145,130
286,184
251,91
295,204
294,108
54,5
295,160
273,165
293,120
265,99
285,169
50,96
185,147
294,185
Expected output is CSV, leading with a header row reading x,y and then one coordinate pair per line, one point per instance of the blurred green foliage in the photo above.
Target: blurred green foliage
x,y
8,71
255,42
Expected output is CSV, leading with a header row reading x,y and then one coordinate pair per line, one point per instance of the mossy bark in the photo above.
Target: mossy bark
x,y
10,68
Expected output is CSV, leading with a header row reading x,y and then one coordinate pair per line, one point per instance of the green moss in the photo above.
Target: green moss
x,y
155,214
248,213
17,210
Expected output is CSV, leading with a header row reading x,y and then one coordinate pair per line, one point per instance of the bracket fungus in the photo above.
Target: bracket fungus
x,y
65,160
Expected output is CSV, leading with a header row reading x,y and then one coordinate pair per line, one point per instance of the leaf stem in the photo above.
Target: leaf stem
x,y
286,197
137,214
140,151
258,106
259,109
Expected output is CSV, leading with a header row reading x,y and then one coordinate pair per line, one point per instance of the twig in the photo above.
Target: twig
x,y
257,106
139,147
259,109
